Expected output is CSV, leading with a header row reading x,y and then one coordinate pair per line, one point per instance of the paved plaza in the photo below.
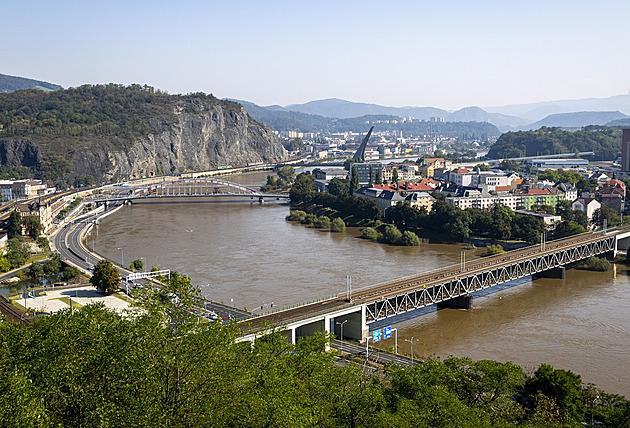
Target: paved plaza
x,y
55,300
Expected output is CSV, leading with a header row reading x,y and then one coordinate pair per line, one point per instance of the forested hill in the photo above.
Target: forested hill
x,y
92,134
14,83
604,141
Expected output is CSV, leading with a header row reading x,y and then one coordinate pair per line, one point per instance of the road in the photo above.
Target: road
x,y
374,355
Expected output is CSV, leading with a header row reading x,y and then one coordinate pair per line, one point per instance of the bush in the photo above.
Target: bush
x,y
409,239
322,222
338,225
492,250
391,235
597,264
297,215
369,233
309,219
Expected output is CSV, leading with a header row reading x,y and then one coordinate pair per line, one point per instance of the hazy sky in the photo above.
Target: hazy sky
x,y
441,53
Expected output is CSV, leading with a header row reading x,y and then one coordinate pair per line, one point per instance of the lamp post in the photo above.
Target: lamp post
x,y
367,349
411,341
341,324
122,257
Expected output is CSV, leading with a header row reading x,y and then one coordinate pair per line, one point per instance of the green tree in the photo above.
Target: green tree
x,y
354,180
5,264
322,222
339,186
17,252
606,215
492,250
287,173
409,239
563,386
33,226
371,178
338,225
35,270
390,234
70,272
52,266
137,264
296,215
369,233
379,177
395,176
581,218
14,226
105,277
564,208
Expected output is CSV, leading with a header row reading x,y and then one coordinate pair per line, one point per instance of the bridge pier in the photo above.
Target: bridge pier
x,y
460,302
555,273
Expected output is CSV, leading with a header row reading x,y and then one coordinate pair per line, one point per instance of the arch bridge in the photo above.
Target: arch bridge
x,y
202,187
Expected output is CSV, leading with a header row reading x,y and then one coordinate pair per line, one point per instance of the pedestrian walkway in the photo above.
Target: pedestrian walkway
x,y
56,299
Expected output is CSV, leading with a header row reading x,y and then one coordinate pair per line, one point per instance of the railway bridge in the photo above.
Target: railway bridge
x,y
452,286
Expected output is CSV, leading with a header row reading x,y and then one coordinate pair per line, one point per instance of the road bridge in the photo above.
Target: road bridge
x,y
201,189
452,286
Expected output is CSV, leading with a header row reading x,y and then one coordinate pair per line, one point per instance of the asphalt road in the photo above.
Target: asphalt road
x,y
374,355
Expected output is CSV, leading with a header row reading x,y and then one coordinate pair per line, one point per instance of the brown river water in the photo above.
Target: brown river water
x,y
247,255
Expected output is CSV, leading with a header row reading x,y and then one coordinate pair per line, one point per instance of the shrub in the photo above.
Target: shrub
x,y
297,215
369,233
597,264
391,235
409,239
492,250
322,222
338,225
309,219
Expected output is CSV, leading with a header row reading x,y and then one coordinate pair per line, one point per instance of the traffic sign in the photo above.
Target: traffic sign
x,y
387,332
376,336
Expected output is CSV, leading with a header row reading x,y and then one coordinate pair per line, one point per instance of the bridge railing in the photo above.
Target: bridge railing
x,y
490,259
297,305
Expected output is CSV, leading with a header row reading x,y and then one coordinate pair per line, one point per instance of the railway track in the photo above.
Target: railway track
x,y
11,312
428,279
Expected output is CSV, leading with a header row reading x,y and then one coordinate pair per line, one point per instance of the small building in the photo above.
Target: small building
x,y
550,220
588,205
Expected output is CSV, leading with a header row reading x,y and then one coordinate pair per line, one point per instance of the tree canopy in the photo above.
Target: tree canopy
x,y
105,277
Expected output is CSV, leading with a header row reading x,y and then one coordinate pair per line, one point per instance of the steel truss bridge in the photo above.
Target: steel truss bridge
x,y
450,287
204,187
455,282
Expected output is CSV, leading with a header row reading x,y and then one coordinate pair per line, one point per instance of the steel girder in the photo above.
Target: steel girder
x,y
468,282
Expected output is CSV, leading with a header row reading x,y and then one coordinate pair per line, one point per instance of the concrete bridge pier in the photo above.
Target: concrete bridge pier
x,y
555,273
460,302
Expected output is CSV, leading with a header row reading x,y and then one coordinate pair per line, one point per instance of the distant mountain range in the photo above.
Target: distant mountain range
x,y
566,114
13,83
330,114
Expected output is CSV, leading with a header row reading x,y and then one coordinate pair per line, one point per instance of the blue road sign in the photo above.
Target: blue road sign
x,y
387,332
376,336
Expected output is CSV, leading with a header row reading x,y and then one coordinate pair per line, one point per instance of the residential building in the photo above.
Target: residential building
x,y
532,197
588,205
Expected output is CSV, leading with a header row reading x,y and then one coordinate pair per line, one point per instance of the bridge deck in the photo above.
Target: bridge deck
x,y
430,282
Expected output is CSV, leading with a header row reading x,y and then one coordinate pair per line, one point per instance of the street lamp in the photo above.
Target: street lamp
x,y
411,341
341,324
122,257
367,349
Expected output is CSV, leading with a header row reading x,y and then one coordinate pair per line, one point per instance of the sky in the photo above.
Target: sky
x,y
441,53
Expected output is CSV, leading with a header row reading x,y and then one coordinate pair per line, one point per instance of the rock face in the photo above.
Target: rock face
x,y
19,153
215,136
196,135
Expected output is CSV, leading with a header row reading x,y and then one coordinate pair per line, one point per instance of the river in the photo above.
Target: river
x,y
247,255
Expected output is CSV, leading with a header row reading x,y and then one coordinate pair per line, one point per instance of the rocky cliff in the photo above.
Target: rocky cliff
x,y
114,133
212,136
